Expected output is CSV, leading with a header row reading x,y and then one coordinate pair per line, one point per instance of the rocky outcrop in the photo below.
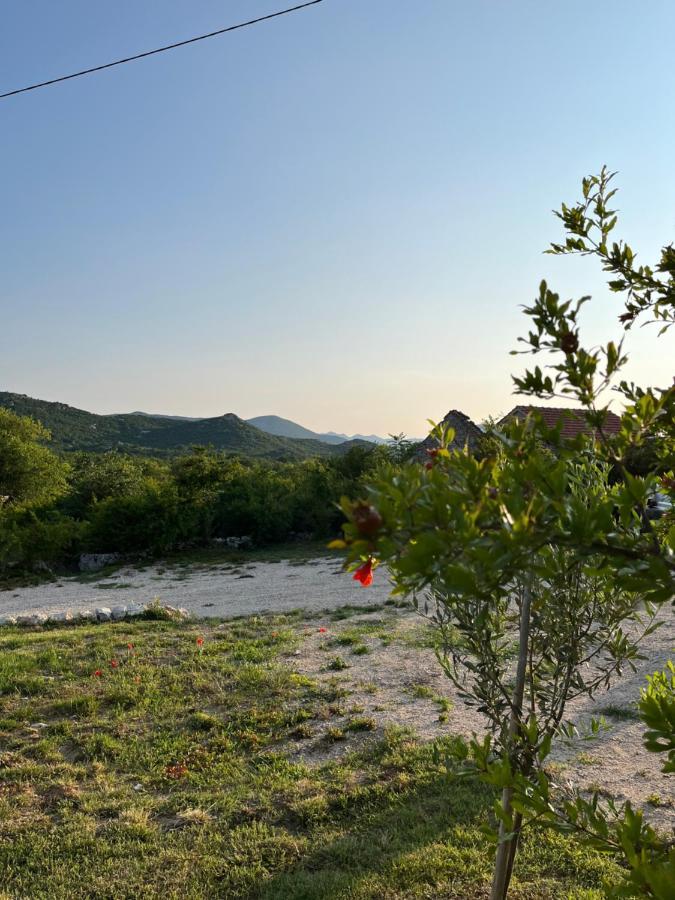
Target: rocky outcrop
x,y
93,562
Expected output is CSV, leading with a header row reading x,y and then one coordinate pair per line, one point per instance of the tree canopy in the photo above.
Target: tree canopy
x,y
30,473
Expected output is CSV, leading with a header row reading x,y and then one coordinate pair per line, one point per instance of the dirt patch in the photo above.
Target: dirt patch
x,y
397,681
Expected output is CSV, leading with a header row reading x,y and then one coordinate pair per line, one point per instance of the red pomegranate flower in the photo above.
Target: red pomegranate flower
x,y
432,454
364,573
367,519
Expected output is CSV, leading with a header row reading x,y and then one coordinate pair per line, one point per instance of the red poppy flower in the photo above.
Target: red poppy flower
x,y
130,646
200,641
98,673
113,664
322,630
364,573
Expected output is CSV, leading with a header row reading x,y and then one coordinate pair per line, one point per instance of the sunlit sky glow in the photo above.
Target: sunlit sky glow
x,y
332,217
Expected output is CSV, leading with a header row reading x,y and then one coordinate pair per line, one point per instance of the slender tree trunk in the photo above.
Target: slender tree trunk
x,y
506,849
513,847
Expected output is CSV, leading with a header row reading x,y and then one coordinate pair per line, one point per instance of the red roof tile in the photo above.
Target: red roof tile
x,y
573,420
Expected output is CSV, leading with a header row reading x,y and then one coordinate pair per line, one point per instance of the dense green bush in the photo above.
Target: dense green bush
x,y
98,476
30,538
147,520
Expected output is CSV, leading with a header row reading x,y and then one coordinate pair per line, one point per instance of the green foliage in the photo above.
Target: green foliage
x,y
533,561
650,860
31,539
32,478
145,521
98,476
588,224
657,710
133,433
76,429
30,474
113,502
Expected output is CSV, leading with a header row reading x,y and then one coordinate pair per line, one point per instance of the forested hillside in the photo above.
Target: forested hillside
x,y
76,429
56,505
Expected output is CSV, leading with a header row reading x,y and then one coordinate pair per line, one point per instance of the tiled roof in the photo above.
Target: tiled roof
x,y
573,420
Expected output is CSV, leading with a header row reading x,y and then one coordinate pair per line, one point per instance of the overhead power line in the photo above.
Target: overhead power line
x,y
193,40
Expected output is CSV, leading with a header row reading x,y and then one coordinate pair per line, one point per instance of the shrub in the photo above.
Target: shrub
x,y
28,538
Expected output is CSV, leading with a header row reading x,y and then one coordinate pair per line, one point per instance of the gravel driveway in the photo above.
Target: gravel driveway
x,y
219,590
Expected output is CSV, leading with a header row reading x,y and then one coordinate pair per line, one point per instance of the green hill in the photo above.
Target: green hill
x,y
76,429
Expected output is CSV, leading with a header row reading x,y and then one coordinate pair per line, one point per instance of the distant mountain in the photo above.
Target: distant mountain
x,y
163,416
371,438
76,429
286,428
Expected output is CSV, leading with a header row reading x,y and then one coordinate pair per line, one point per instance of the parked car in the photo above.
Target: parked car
x,y
658,505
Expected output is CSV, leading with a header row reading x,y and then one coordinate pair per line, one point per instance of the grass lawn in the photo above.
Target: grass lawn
x,y
175,774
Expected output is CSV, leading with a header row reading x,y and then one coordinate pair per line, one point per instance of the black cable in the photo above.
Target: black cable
x,y
201,37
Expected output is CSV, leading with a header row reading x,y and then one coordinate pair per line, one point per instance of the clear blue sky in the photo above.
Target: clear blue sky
x,y
333,216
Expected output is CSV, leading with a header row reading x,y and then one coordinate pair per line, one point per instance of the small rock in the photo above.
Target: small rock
x,y
118,612
33,619
86,614
245,542
138,787
92,562
65,616
7,620
173,612
135,609
104,614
